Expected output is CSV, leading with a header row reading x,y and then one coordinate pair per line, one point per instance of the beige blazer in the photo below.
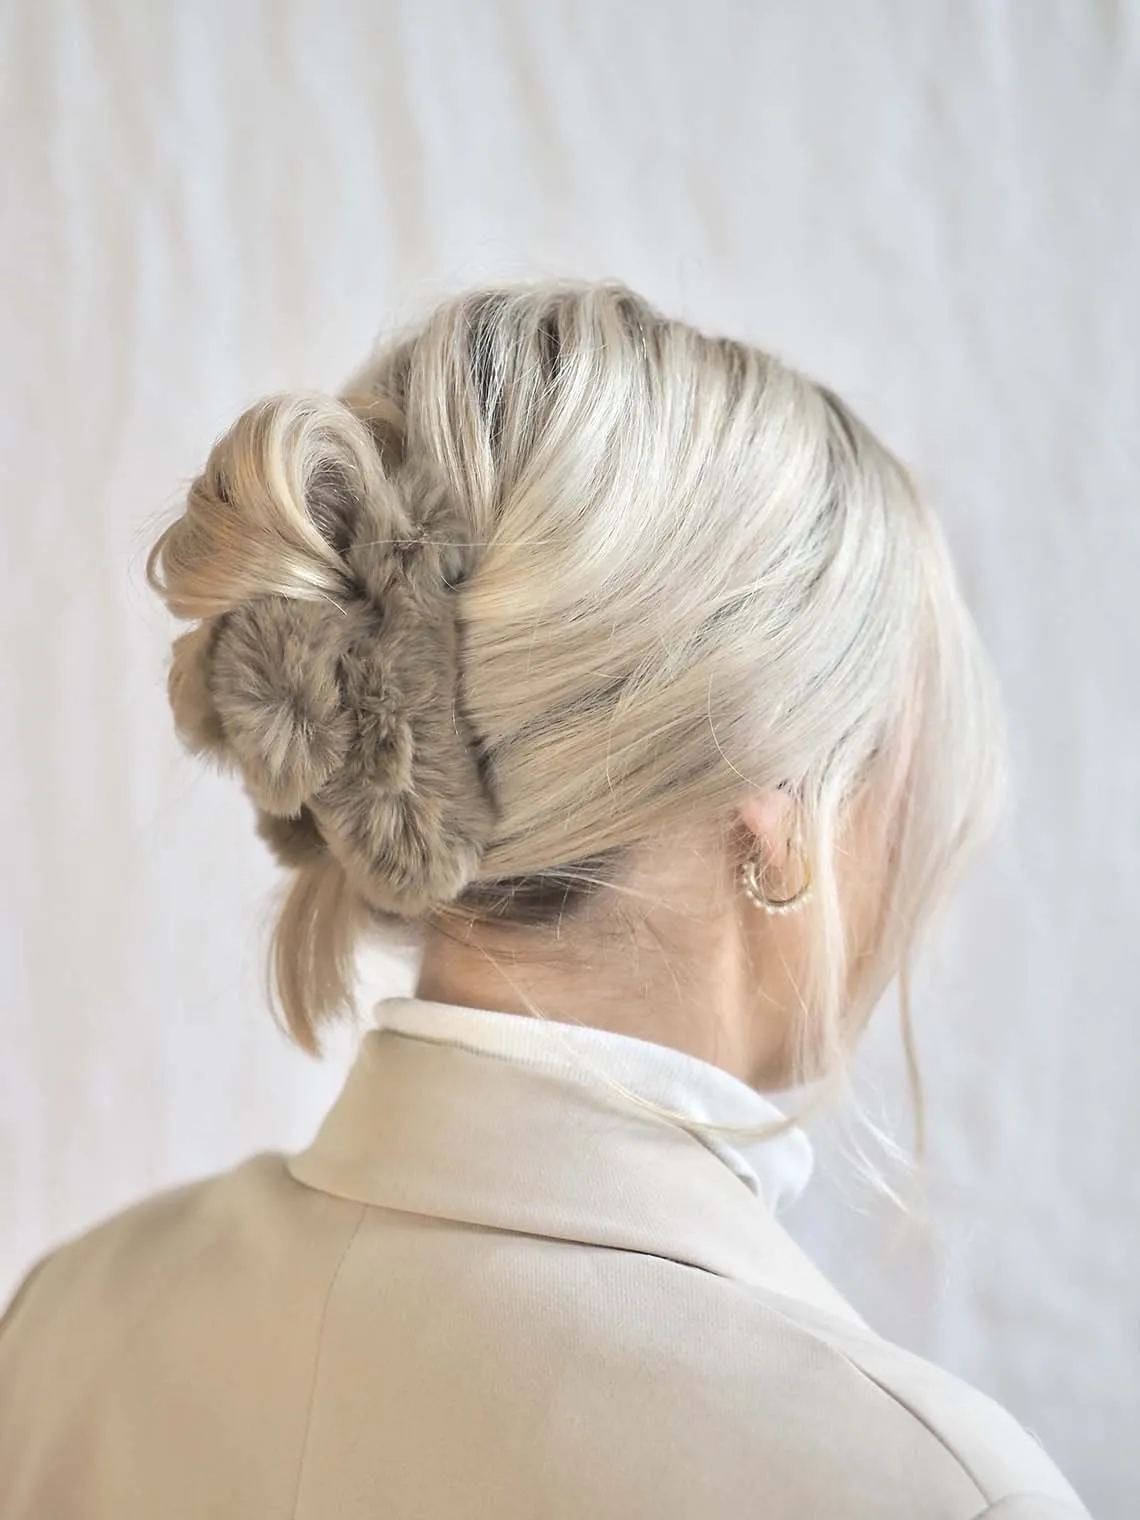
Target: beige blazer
x,y
486,1292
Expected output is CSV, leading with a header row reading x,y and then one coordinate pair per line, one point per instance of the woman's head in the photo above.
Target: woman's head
x,y
563,596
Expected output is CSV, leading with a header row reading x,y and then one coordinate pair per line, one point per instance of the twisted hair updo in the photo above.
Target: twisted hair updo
x,y
554,572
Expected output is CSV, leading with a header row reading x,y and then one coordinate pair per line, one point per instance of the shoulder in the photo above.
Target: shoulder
x,y
189,1322
232,1218
961,1429
204,1251
783,1396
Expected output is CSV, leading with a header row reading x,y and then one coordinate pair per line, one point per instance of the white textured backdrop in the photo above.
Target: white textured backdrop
x,y
931,204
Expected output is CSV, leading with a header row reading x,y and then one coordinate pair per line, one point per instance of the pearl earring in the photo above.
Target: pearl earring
x,y
752,889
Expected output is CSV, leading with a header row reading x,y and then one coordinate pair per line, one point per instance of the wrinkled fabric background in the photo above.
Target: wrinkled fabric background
x,y
934,207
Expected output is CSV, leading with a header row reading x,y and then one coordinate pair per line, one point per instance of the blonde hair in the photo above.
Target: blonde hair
x,y
552,574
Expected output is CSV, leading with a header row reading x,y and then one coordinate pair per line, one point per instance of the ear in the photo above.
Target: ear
x,y
766,819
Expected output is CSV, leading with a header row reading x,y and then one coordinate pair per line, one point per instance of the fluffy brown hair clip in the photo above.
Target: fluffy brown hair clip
x,y
335,693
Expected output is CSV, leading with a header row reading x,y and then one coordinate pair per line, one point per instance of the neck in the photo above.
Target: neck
x,y
703,1006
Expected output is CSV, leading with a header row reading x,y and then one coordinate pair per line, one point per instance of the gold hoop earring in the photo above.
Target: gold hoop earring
x,y
752,889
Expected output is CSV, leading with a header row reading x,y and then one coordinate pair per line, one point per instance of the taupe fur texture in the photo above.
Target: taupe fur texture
x,y
343,715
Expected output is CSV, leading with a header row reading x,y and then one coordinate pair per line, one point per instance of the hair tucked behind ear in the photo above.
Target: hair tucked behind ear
x,y
325,670
556,573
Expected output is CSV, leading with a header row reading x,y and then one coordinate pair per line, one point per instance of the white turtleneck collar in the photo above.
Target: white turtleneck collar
x,y
777,1170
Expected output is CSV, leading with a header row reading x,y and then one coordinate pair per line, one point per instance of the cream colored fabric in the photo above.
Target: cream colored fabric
x,y
777,1168
486,1290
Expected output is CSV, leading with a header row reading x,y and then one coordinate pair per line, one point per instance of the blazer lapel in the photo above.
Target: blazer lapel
x,y
432,1129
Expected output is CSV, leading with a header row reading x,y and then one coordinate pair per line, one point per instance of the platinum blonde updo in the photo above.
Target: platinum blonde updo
x,y
554,573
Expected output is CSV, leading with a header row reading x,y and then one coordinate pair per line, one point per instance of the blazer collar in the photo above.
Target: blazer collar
x,y
777,1168
455,1134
